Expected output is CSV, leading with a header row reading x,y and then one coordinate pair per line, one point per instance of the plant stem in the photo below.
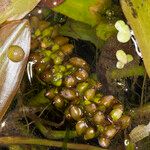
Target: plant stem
x,y
126,72
53,134
39,100
43,142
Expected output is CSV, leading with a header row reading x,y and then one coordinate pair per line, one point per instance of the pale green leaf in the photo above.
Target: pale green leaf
x,y
121,56
124,34
119,24
129,58
119,65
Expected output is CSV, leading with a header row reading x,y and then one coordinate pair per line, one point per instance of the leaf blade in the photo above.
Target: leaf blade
x,y
137,13
11,73
15,9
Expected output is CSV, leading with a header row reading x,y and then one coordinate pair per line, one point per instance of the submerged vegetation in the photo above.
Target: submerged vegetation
x,y
85,84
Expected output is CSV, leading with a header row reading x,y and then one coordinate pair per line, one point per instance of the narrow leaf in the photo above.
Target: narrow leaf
x,y
11,73
137,13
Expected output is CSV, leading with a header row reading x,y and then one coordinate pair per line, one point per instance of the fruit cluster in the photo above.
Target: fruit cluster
x,y
71,88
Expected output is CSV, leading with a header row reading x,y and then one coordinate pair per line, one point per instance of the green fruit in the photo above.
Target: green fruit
x,y
34,22
50,93
100,128
58,68
35,57
69,94
40,67
89,94
116,114
58,60
75,112
61,40
34,44
103,142
46,42
67,49
70,81
55,47
58,101
55,32
125,121
118,106
81,87
57,79
46,76
89,134
43,25
15,53
79,62
81,127
37,32
81,74
47,32
90,109
110,131
107,101
97,98
98,118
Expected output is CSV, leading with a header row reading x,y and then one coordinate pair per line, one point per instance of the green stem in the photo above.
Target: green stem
x,y
43,142
39,100
126,72
53,134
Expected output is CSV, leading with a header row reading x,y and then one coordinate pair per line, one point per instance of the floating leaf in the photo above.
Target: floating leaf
x,y
119,24
121,56
15,33
124,34
15,9
105,30
129,58
119,65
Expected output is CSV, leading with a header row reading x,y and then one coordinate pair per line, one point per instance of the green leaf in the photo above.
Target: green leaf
x,y
121,56
137,13
119,65
15,9
87,11
105,30
124,34
129,58
79,30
